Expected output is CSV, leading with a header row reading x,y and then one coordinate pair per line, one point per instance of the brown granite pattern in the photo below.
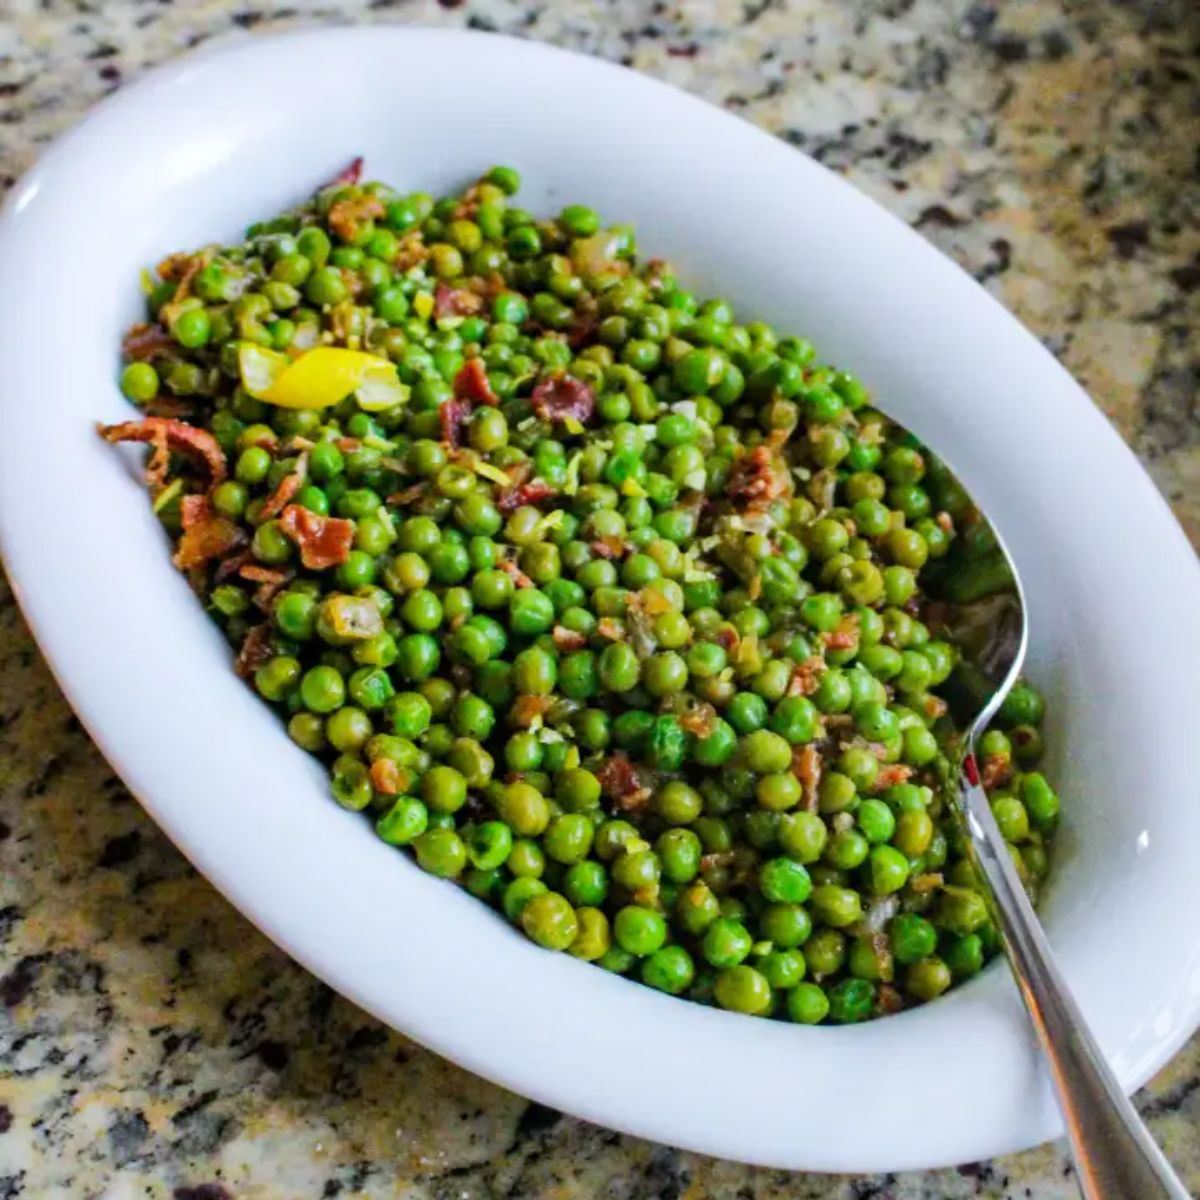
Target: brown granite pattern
x,y
152,1044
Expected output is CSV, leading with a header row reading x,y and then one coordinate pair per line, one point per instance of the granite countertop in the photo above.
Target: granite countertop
x,y
152,1043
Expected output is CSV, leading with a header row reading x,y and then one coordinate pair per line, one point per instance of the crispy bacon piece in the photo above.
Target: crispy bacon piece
x,y
146,342
471,385
349,443
411,252
346,216
888,1000
892,774
583,327
997,770
806,677
409,494
840,639
532,492
806,766
455,302
568,639
452,415
727,638
323,541
755,478
270,581
289,485
611,628
699,721
168,406
387,778
526,708
180,437
609,547
349,174
563,396
206,534
509,567
231,564
257,573
622,784
255,651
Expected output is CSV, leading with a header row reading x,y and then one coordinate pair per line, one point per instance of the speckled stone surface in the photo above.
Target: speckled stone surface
x,y
152,1043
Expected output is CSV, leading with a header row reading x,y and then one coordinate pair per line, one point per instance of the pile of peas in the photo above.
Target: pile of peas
x,y
678,715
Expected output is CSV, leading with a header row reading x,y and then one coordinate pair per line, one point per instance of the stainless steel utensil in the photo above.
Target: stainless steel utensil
x,y
1115,1156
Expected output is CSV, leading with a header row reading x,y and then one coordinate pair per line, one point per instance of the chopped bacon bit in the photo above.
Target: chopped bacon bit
x,y
411,252
206,534
610,547
387,778
453,414
409,495
323,541
255,651
289,485
656,270
563,396
622,784
583,327
518,576
944,521
346,176
806,677
806,766
145,342
727,638
755,478
175,266
527,708
840,639
700,721
471,385
892,774
232,564
929,882
270,580
533,492
618,776
347,216
888,1000
256,573
997,770
349,443
455,302
168,406
611,628
568,639
193,510
179,436
934,706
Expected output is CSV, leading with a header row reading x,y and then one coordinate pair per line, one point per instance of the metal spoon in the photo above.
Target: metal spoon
x,y
1114,1154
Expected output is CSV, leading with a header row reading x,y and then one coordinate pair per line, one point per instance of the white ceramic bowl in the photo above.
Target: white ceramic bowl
x,y
196,151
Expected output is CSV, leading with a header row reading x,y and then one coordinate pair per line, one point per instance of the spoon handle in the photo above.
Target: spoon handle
x,y
1115,1156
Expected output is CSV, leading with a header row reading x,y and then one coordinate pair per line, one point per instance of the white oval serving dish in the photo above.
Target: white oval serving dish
x,y
198,149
